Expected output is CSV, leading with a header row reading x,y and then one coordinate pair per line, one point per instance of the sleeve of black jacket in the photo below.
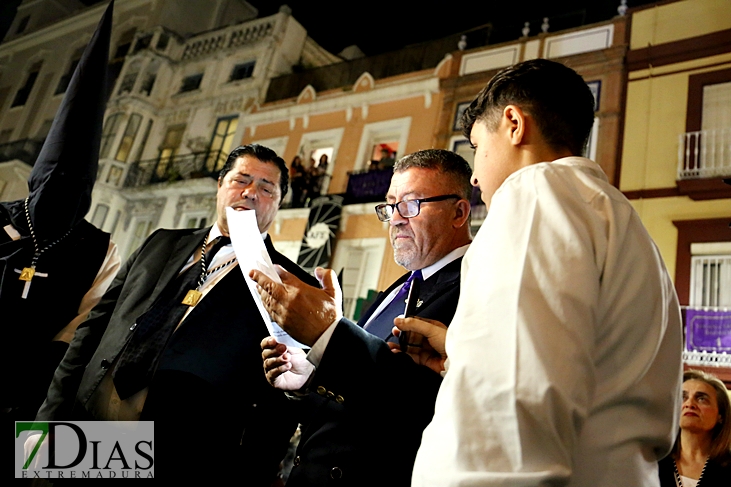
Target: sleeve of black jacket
x,y
371,406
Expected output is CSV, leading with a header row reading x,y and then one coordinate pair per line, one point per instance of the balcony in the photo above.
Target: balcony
x,y
177,168
704,159
235,36
704,154
368,186
26,150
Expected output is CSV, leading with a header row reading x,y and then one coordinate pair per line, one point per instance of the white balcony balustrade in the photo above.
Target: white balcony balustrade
x,y
704,154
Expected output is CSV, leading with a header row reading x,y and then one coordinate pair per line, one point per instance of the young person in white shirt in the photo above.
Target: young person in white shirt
x,y
564,353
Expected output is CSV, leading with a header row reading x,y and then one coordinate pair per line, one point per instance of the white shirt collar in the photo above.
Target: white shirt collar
x,y
429,271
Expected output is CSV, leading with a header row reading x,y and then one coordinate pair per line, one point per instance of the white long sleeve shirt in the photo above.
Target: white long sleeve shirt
x,y
565,349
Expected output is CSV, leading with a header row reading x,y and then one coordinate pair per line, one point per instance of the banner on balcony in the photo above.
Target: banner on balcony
x,y
707,330
319,238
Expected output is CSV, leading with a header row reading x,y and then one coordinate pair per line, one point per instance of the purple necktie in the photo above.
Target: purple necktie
x,y
382,324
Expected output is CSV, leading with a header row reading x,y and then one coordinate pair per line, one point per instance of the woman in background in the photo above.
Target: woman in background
x,y
702,453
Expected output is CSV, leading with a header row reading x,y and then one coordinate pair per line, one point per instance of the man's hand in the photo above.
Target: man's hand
x,y
286,368
303,311
433,353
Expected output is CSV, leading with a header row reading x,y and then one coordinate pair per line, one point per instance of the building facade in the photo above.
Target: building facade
x,y
676,147
181,76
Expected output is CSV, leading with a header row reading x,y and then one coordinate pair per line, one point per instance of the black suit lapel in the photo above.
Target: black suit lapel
x,y
184,248
433,287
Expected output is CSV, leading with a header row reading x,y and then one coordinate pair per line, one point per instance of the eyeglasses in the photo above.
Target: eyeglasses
x,y
408,208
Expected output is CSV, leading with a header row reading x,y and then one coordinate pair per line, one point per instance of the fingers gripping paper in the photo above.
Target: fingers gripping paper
x,y
252,254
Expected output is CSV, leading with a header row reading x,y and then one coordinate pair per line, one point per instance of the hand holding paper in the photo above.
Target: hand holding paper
x,y
304,311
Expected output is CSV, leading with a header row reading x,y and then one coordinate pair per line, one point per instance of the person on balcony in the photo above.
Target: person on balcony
x,y
298,181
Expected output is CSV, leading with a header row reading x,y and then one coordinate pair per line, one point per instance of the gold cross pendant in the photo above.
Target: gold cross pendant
x,y
27,274
192,297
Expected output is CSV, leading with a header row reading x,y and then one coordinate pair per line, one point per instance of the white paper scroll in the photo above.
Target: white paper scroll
x,y
252,254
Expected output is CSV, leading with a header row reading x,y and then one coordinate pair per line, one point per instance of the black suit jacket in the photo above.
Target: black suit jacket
x,y
369,406
210,370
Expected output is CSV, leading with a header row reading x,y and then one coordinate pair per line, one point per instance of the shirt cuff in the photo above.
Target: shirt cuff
x,y
314,356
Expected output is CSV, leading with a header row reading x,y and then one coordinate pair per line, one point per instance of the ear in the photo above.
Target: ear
x,y
515,121
462,213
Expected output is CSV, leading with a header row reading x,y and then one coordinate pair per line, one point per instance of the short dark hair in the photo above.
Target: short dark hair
x,y
449,163
555,95
264,154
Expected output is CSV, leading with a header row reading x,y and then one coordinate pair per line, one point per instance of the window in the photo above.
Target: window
x,y
191,83
100,214
113,176
22,95
133,125
63,83
360,261
128,83
115,65
148,83
392,133
162,41
22,24
143,142
703,262
109,132
195,221
459,145
169,147
123,44
704,147
318,148
242,71
710,274
221,141
143,43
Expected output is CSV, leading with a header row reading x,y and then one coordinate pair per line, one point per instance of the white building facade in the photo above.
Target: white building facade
x,y
183,74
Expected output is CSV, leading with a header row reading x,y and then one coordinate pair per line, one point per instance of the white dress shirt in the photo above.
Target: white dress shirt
x,y
565,349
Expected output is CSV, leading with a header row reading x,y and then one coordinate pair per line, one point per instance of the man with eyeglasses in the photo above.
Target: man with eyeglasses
x,y
354,410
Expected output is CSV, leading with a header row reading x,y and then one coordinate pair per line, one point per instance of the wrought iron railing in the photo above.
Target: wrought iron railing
x,y
175,168
26,150
704,154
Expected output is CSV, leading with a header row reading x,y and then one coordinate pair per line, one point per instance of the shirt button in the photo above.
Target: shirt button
x,y
321,390
336,473
339,399
296,461
105,363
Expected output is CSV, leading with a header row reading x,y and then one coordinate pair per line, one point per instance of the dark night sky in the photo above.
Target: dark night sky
x,y
380,25
384,25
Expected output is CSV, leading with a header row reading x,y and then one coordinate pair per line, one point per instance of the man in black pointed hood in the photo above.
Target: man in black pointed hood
x,y
54,265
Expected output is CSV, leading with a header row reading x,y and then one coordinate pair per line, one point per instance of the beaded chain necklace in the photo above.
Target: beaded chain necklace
x,y
679,481
194,295
28,273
